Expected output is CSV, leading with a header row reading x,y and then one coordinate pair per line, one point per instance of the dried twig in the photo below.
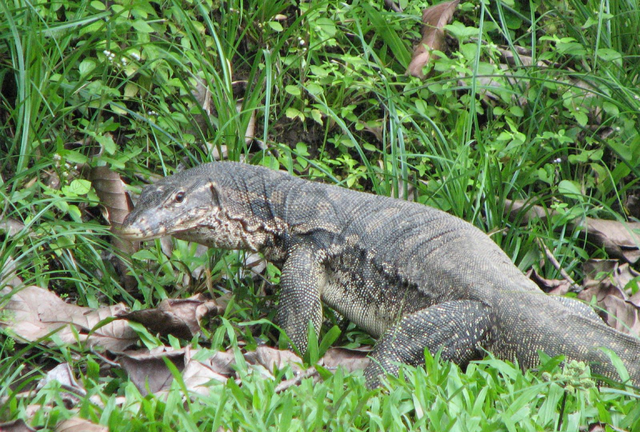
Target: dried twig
x,y
392,6
311,372
556,264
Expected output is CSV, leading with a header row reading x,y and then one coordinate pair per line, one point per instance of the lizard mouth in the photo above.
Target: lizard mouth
x,y
130,233
143,228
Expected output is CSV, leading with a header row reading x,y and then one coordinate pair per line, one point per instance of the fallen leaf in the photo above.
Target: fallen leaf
x,y
434,19
619,239
62,374
632,205
622,315
16,426
8,276
489,86
599,271
550,286
250,132
598,427
221,154
72,392
197,376
77,424
607,281
111,190
114,199
296,380
33,312
147,369
349,359
202,95
10,227
521,56
223,362
272,358
178,317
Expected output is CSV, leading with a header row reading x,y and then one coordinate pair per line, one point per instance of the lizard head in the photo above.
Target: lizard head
x,y
175,204
209,204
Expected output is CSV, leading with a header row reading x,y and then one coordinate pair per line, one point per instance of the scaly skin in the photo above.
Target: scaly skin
x,y
412,276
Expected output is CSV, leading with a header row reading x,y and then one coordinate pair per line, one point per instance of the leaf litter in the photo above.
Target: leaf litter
x,y
434,19
33,313
36,315
610,285
619,239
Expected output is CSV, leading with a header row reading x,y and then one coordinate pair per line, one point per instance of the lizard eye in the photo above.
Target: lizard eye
x,y
179,197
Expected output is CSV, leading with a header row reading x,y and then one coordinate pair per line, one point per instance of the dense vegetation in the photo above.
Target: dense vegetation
x,y
534,101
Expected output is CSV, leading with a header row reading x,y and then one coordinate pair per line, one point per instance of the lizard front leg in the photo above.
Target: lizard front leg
x,y
456,328
301,285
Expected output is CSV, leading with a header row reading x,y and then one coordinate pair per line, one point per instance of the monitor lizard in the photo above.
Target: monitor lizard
x,y
412,276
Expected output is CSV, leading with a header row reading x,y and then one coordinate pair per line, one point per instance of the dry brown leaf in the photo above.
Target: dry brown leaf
x,y
197,376
8,276
598,427
620,240
434,19
148,372
223,362
62,373
489,86
525,212
178,317
255,263
216,154
349,359
202,95
272,358
632,205
622,315
72,392
77,424
250,132
522,56
10,227
580,92
550,286
16,426
606,280
34,312
147,369
110,189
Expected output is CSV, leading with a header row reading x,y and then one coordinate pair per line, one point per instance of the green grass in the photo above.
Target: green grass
x,y
86,84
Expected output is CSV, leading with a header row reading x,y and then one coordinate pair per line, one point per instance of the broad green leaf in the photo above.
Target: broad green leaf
x,y
570,189
276,26
142,26
293,90
79,187
293,113
86,66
